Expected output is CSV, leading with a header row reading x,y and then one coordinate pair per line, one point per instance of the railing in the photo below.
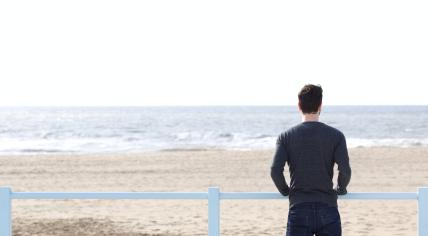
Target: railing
x,y
213,196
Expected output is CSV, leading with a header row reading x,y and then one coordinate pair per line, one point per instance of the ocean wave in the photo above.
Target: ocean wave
x,y
225,135
388,142
30,150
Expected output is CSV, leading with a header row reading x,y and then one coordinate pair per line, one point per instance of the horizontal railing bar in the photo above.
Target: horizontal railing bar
x,y
251,195
381,196
110,195
349,196
200,195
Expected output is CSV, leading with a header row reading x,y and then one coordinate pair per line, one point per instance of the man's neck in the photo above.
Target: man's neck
x,y
310,117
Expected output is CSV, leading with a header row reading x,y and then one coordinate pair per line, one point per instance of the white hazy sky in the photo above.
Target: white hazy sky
x,y
217,52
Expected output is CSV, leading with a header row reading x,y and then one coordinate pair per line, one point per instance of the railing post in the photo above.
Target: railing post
x,y
213,211
5,212
423,211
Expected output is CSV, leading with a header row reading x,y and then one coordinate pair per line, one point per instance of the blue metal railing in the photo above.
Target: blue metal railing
x,y
213,196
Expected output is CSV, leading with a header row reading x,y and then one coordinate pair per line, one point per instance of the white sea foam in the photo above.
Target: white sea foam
x,y
396,142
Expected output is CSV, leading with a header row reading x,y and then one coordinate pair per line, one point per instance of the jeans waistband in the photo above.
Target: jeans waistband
x,y
310,205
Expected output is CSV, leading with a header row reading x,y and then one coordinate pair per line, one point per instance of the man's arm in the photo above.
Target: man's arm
x,y
277,168
342,159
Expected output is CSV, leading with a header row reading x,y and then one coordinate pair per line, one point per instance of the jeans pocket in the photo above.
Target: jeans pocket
x,y
298,219
329,215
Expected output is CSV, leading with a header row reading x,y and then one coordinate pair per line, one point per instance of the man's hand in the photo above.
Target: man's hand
x,y
285,192
340,191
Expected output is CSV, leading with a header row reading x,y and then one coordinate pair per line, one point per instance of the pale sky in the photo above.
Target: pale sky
x,y
217,52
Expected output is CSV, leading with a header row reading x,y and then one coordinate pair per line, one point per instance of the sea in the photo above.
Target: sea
x,y
47,130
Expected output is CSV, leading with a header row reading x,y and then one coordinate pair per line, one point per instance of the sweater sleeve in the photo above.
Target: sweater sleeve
x,y
342,159
277,168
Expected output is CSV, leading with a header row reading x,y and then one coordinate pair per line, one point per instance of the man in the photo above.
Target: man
x,y
310,149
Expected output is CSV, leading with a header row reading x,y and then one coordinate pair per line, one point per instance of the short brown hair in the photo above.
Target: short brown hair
x,y
310,98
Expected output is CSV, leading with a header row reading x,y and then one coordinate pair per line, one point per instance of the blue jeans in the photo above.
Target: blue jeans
x,y
309,218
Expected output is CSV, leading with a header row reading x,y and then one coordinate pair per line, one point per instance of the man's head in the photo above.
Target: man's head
x,y
310,99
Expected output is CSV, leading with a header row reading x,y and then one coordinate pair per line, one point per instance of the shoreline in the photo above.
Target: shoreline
x,y
172,150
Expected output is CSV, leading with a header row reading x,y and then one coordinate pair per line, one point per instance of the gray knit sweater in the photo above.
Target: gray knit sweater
x,y
311,149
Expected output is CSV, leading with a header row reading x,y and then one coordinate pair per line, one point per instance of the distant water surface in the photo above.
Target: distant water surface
x,y
30,130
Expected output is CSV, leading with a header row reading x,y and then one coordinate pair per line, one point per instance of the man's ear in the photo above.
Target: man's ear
x,y
298,106
320,108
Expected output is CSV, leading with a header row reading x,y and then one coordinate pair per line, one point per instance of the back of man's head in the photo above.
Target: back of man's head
x,y
310,98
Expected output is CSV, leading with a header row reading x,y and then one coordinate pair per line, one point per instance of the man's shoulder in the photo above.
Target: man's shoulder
x,y
291,130
333,134
283,135
333,129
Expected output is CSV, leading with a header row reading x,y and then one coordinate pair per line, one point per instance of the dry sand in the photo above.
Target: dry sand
x,y
374,169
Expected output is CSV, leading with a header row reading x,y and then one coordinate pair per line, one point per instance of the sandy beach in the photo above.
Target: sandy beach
x,y
374,169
